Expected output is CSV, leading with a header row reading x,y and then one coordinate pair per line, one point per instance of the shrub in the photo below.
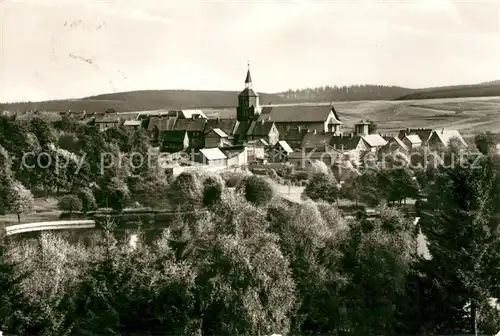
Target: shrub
x,y
88,200
257,190
233,179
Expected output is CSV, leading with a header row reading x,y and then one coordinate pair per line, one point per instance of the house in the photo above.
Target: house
x,y
195,128
412,141
132,125
423,133
443,138
216,138
280,151
227,125
237,156
374,141
395,146
103,123
351,146
263,130
211,157
188,114
174,141
256,149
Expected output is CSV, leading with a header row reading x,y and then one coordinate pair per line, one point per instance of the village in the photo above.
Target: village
x,y
263,134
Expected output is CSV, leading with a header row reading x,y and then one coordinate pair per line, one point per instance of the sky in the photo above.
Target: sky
x,y
52,49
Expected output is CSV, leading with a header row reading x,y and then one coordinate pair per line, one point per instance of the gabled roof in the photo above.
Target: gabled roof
x,y
314,140
219,132
107,120
227,125
297,113
283,144
397,141
190,125
258,128
413,139
241,129
423,133
258,143
342,142
446,135
374,140
132,123
188,114
213,153
174,136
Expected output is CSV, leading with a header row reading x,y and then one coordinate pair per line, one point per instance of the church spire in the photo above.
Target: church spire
x,y
248,80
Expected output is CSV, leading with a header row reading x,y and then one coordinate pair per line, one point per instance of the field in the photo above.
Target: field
x,y
468,115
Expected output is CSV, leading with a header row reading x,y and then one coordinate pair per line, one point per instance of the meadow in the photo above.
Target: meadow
x,y
467,115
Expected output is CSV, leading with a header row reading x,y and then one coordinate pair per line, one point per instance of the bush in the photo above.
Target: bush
x,y
88,200
257,190
233,179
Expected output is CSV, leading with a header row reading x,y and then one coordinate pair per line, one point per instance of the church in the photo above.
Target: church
x,y
274,122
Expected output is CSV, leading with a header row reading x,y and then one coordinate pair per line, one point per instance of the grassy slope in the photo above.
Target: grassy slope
x,y
480,90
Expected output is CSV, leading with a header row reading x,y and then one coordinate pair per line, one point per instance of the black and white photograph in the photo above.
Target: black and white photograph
x,y
251,167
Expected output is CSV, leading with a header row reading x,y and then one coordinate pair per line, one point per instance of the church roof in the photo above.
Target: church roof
x,y
258,128
297,113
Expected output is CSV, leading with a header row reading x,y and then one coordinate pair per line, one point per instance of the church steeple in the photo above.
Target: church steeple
x,y
248,79
248,100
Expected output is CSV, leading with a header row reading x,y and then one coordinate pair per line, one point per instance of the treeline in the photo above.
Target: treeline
x,y
345,93
245,263
462,91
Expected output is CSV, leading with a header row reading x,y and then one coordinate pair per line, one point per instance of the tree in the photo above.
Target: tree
x,y
322,187
70,203
43,130
485,142
87,198
311,235
113,193
257,190
151,191
376,263
461,225
213,187
372,127
118,136
19,199
14,310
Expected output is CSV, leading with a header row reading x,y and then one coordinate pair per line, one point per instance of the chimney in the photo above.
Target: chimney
x,y
193,116
351,135
218,120
314,131
442,130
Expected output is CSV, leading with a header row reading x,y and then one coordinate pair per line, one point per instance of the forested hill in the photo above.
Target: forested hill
x,y
170,99
184,99
489,89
